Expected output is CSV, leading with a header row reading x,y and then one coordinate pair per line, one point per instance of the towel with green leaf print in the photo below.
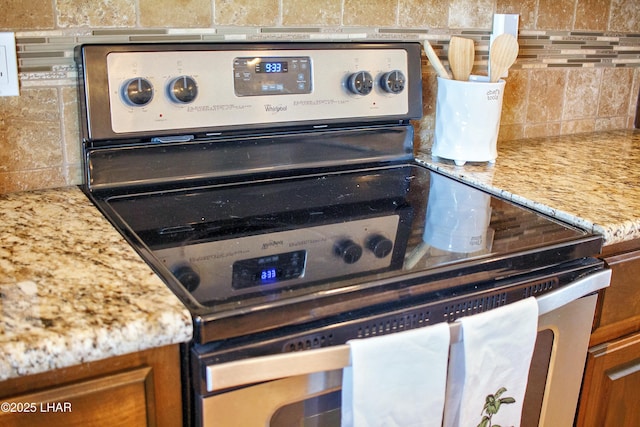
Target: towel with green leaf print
x,y
492,406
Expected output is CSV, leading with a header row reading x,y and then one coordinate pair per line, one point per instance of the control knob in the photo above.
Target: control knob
x,y
348,250
393,81
380,245
182,90
360,83
186,275
137,92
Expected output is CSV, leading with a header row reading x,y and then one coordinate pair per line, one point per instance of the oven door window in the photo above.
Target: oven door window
x,y
318,411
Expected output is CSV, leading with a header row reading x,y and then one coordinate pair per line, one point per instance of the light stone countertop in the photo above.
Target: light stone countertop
x,y
589,180
72,290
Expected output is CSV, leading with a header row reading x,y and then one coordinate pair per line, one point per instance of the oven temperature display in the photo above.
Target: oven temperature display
x,y
268,270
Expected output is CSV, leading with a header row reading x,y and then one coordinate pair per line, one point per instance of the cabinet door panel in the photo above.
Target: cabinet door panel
x,y
611,387
624,385
122,398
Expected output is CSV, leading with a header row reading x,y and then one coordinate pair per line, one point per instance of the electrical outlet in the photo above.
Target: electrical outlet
x,y
8,65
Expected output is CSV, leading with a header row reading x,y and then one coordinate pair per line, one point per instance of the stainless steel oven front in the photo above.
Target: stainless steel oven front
x,y
302,388
273,187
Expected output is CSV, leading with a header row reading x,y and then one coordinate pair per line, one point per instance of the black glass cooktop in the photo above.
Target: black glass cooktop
x,y
237,246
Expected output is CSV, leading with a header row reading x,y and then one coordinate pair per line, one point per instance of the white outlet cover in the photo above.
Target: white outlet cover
x,y
9,85
505,23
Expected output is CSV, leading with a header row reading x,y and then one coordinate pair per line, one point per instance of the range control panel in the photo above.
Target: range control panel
x,y
168,88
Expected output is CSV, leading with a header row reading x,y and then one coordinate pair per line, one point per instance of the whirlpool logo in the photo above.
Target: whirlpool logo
x,y
270,108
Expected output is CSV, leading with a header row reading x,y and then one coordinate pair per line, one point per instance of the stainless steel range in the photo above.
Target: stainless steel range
x,y
274,189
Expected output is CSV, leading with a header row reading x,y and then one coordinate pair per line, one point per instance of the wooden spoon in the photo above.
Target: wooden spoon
x,y
461,56
435,61
503,53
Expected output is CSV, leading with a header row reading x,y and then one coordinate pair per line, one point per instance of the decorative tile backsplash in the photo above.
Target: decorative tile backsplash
x,y
578,68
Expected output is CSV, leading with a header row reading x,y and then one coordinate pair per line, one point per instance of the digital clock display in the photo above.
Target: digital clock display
x,y
272,67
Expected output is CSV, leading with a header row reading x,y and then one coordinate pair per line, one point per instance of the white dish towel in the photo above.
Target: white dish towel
x,y
397,380
489,367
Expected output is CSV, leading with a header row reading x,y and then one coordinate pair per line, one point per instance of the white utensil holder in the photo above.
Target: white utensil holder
x,y
468,119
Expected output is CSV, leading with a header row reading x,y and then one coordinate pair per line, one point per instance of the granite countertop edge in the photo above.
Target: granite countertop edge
x,y
72,290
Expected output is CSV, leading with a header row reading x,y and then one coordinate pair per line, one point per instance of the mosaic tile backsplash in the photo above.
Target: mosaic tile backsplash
x,y
578,69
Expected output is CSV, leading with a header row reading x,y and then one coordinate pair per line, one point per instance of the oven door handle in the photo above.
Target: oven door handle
x,y
267,368
592,283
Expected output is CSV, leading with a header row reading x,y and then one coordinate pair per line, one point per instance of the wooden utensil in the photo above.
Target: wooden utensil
x,y
503,53
461,56
435,61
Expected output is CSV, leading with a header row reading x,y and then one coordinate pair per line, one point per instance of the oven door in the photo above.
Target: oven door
x,y
303,388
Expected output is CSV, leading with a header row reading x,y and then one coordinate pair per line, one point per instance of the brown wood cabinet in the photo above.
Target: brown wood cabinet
x,y
611,390
611,386
139,389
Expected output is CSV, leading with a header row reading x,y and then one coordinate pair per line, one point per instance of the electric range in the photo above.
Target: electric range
x,y
273,187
